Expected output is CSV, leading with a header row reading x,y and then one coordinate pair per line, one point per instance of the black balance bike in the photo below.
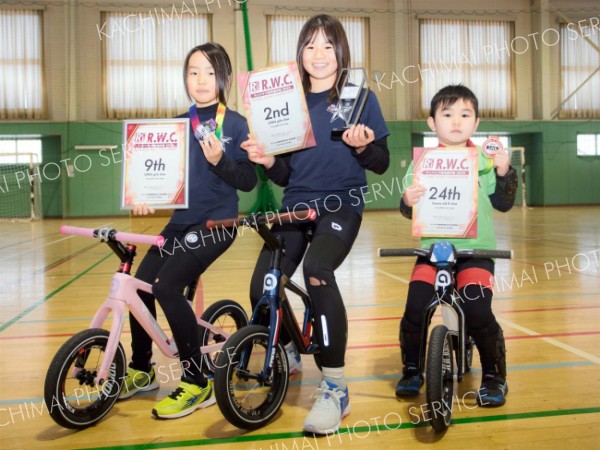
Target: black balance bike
x,y
251,372
449,338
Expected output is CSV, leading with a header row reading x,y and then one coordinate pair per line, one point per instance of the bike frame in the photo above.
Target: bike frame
x,y
274,298
122,297
444,257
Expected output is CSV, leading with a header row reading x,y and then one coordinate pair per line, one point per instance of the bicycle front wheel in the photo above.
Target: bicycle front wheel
x,y
440,378
72,397
469,344
227,315
246,396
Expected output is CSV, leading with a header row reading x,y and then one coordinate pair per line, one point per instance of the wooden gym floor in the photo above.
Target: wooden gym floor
x,y
547,301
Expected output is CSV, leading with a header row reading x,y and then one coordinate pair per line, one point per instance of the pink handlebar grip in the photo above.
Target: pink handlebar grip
x,y
159,241
77,231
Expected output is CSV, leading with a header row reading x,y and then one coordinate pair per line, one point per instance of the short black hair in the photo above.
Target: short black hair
x,y
449,95
219,59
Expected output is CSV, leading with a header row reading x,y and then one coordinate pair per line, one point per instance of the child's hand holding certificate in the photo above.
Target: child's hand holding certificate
x,y
449,207
275,108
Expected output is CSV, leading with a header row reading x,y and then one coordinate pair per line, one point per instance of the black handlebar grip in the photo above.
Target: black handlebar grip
x,y
397,252
505,254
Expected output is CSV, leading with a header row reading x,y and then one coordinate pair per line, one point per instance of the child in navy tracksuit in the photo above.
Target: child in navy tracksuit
x,y
217,168
330,178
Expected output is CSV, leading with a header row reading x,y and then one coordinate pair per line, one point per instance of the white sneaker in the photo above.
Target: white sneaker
x,y
294,359
331,406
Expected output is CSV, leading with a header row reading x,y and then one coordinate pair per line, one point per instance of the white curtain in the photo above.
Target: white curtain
x,y
579,59
283,37
475,53
143,63
284,31
22,85
357,30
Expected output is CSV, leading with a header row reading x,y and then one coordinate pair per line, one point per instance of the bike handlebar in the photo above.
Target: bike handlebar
x,y
506,254
269,217
402,252
105,234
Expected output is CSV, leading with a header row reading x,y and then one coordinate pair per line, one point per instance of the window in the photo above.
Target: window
x,y
475,53
143,61
21,65
580,72
588,145
23,151
284,31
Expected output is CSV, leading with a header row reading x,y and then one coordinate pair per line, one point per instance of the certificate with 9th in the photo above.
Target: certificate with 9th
x,y
155,163
449,206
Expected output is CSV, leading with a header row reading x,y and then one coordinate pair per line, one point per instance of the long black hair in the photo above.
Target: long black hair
x,y
219,59
334,32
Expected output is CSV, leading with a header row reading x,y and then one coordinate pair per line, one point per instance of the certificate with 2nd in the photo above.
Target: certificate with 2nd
x,y
449,207
275,108
155,163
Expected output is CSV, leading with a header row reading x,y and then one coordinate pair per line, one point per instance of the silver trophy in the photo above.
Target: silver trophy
x,y
352,88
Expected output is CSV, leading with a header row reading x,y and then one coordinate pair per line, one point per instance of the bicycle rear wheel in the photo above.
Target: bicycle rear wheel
x,y
229,316
246,397
440,378
71,396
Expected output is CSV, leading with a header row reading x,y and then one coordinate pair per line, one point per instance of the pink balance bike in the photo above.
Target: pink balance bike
x,y
85,377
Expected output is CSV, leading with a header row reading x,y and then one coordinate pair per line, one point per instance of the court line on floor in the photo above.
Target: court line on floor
x,y
496,292
579,272
28,240
53,265
395,277
23,313
315,381
47,244
350,347
544,337
588,295
550,340
356,430
510,311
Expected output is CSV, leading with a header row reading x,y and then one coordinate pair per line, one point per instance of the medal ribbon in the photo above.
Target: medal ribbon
x,y
219,119
489,166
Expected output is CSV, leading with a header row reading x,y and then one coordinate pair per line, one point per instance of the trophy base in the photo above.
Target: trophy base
x,y
336,133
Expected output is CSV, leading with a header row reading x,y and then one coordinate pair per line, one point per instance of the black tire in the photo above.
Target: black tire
x,y
247,399
440,378
227,315
76,401
469,346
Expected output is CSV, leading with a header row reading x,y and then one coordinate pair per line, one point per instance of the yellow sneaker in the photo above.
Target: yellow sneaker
x,y
184,400
137,381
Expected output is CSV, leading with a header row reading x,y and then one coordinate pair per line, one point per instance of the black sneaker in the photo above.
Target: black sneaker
x,y
410,383
493,391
